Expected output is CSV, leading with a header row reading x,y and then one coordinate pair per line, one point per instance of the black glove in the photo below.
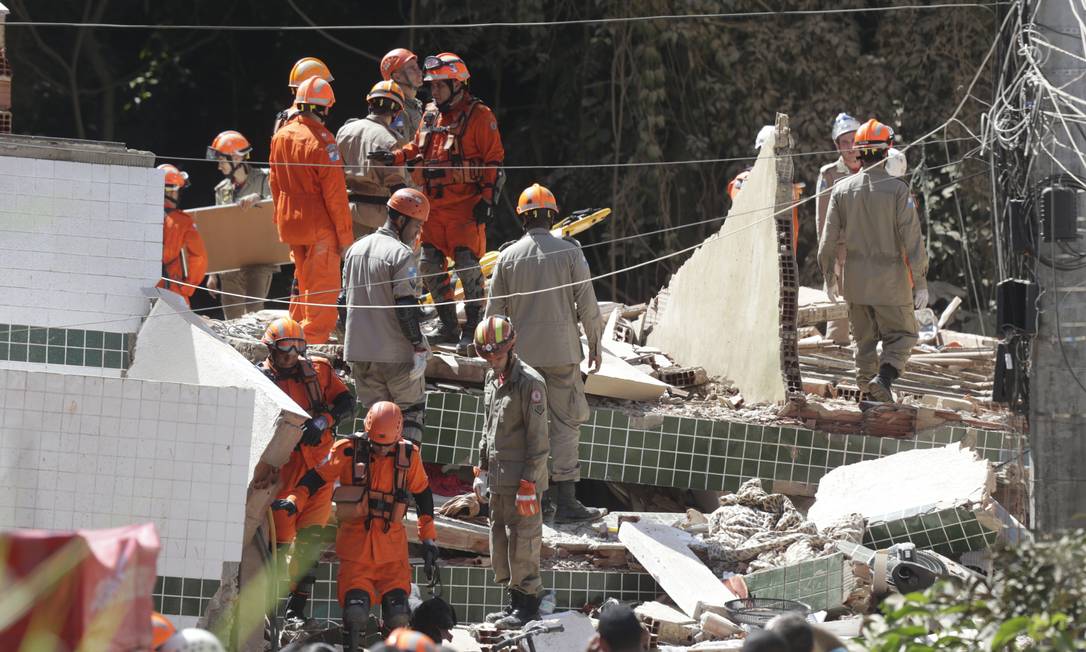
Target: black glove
x,y
287,506
312,430
382,157
484,212
429,558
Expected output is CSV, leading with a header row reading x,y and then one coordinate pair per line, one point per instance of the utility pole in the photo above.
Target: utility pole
x,y
1058,373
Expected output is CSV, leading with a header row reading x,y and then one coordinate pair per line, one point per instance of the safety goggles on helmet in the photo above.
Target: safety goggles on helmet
x,y
432,63
286,345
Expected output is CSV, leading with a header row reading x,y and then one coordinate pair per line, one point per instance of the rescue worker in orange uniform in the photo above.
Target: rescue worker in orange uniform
x,y
313,385
311,209
377,472
302,70
455,159
402,66
184,257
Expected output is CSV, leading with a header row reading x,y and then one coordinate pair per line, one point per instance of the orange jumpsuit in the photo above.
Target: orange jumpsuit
x,y
179,231
315,392
374,559
313,217
447,153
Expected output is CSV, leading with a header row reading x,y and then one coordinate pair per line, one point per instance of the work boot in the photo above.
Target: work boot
x,y
881,384
570,510
449,330
514,602
526,611
294,618
472,313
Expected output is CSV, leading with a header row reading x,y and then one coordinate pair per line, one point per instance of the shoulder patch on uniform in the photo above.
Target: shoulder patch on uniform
x,y
493,125
333,152
536,400
909,202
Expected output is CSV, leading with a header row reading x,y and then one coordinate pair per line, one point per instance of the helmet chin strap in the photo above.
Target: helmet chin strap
x,y
454,97
234,167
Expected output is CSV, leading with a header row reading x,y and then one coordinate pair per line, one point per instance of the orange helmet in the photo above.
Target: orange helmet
x,y
386,94
315,91
161,629
384,423
873,135
494,335
175,179
445,66
409,640
395,60
535,197
228,143
285,334
308,67
410,202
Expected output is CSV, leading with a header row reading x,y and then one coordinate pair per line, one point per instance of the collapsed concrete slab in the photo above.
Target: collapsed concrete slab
x,y
742,282
938,498
174,345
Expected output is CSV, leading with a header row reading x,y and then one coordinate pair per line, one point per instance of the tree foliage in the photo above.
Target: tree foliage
x,y
586,94
1037,601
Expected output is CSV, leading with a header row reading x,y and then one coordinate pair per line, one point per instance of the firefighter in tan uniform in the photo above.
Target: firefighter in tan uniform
x,y
874,214
386,348
512,469
550,341
844,134
402,66
244,185
369,186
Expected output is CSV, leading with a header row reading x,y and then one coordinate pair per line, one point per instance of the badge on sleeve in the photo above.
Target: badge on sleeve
x,y
537,400
333,152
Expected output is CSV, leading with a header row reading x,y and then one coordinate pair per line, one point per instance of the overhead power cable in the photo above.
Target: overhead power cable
x,y
534,23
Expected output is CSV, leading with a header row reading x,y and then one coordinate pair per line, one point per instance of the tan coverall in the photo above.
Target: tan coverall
x,y
875,215
546,326
828,176
255,280
377,270
514,447
407,123
368,186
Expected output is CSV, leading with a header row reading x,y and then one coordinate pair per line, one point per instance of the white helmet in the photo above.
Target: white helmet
x,y
192,640
896,163
763,134
843,124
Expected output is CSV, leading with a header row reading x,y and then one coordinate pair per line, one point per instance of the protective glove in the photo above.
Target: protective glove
x,y
381,157
418,368
285,505
312,430
484,212
481,485
920,298
429,557
527,499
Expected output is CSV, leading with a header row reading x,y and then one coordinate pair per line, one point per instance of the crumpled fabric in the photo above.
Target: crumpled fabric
x,y
463,506
767,531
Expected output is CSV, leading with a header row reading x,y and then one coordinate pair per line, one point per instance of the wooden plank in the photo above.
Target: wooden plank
x,y
452,534
448,366
236,237
820,312
662,551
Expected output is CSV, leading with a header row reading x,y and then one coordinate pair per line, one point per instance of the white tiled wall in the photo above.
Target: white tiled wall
x,y
78,243
91,452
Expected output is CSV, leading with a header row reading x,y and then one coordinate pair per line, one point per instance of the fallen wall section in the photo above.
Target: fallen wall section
x,y
731,308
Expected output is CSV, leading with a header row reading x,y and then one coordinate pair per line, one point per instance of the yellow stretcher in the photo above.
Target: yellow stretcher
x,y
569,226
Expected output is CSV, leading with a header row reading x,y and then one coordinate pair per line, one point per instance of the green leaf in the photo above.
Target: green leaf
x,y
1008,631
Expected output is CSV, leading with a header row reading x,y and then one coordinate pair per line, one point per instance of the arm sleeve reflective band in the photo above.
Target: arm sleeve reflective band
x,y
407,314
342,407
312,481
424,503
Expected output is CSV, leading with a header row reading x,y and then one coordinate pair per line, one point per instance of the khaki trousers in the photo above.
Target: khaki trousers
x,y
514,545
366,218
252,281
391,381
568,409
894,326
